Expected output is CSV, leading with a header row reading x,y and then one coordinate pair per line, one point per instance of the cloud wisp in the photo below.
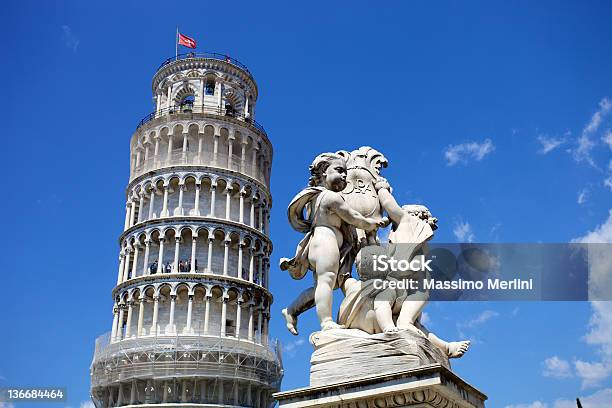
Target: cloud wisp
x,y
70,40
463,153
463,232
549,143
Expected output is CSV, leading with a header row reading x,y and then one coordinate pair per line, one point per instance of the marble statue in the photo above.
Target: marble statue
x,y
340,212
328,242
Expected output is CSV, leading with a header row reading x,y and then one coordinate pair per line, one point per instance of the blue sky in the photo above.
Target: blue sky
x,y
493,114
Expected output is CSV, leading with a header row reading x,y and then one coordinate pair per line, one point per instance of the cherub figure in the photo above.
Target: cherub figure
x,y
329,227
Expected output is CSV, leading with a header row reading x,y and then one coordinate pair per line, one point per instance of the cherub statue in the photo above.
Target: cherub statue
x,y
329,226
375,310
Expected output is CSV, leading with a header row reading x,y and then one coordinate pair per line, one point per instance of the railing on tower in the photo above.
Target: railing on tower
x,y
187,109
209,55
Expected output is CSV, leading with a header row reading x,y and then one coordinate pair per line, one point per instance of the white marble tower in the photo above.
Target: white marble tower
x,y
191,304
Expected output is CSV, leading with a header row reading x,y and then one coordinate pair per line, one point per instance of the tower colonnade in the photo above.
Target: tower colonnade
x,y
191,304
184,192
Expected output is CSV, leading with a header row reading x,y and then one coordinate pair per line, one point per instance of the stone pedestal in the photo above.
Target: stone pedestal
x,y
431,386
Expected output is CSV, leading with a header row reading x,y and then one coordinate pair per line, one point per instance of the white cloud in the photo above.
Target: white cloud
x,y
482,318
87,404
557,368
70,40
608,182
600,399
603,233
6,405
582,196
462,153
583,151
607,138
535,404
549,143
291,347
605,107
584,143
463,232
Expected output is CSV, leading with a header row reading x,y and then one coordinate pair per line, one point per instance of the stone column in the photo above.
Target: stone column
x,y
215,148
164,211
133,393
185,135
207,310
238,314
121,266
132,211
230,151
220,394
227,243
194,240
169,158
156,151
177,246
155,314
240,246
251,264
203,391
243,146
119,334
254,160
152,203
264,329
189,312
228,200
141,307
200,146
259,323
178,211
241,213
213,190
128,208
171,320
211,239
145,269
141,206
248,394
160,258
113,336
251,336
135,260
252,215
128,325
126,267
196,203
224,313
260,227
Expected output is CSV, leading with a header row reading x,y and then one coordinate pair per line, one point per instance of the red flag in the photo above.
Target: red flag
x,y
186,41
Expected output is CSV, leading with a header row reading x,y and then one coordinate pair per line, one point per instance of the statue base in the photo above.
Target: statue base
x,y
345,354
432,386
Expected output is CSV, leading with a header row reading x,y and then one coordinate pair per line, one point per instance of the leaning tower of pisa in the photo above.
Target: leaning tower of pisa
x,y
191,304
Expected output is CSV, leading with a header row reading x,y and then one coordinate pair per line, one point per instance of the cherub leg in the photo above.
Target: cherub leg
x,y
301,304
323,297
411,310
384,314
453,349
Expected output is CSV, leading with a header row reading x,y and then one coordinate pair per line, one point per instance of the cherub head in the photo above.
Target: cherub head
x,y
328,170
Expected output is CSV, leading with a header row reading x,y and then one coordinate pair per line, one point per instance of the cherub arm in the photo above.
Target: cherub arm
x,y
350,216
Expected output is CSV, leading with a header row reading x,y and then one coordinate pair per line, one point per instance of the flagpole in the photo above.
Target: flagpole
x,y
176,43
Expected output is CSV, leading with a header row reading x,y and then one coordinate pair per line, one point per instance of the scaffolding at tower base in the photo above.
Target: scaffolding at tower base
x,y
193,358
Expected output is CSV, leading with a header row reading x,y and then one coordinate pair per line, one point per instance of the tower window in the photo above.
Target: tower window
x,y
209,88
